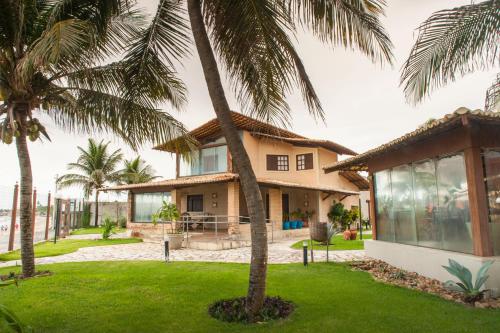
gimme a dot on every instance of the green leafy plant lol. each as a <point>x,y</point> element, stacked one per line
<point>308,214</point>
<point>167,212</point>
<point>11,322</point>
<point>107,228</point>
<point>122,222</point>
<point>336,212</point>
<point>471,292</point>
<point>297,214</point>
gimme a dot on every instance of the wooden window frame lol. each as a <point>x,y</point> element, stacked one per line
<point>306,164</point>
<point>277,162</point>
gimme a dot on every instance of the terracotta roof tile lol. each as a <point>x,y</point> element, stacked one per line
<point>358,162</point>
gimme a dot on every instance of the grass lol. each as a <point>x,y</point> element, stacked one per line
<point>337,243</point>
<point>64,246</point>
<point>94,230</point>
<point>158,297</point>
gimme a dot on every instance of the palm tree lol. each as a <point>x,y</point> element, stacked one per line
<point>253,41</point>
<point>137,171</point>
<point>52,61</point>
<point>97,168</point>
<point>450,43</point>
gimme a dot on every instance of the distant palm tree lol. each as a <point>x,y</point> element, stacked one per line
<point>137,171</point>
<point>97,168</point>
<point>253,41</point>
<point>52,55</point>
<point>451,43</point>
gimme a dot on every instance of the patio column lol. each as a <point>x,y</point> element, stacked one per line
<point>130,208</point>
<point>478,204</point>
<point>275,207</point>
<point>233,207</point>
<point>372,215</point>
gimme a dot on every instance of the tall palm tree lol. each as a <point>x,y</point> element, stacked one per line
<point>137,171</point>
<point>97,168</point>
<point>52,61</point>
<point>252,39</point>
<point>451,43</point>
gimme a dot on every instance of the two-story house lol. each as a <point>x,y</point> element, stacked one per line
<point>206,189</point>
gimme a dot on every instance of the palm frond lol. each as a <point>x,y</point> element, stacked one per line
<point>97,112</point>
<point>148,63</point>
<point>353,24</point>
<point>451,43</point>
<point>252,40</point>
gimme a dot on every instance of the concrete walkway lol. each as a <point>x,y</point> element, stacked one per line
<point>279,253</point>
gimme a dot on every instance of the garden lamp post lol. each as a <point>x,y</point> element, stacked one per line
<point>304,245</point>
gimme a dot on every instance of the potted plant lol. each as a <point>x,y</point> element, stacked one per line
<point>168,212</point>
<point>307,216</point>
<point>353,216</point>
<point>286,221</point>
<point>296,218</point>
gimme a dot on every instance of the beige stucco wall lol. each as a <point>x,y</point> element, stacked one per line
<point>220,190</point>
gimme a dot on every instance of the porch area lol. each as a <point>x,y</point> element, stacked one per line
<point>214,215</point>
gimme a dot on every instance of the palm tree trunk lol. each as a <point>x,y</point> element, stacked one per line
<point>96,217</point>
<point>27,251</point>
<point>253,197</point>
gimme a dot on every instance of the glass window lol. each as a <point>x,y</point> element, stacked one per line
<point>426,204</point>
<point>453,198</point>
<point>147,204</point>
<point>282,162</point>
<point>492,173</point>
<point>402,205</point>
<point>195,203</point>
<point>301,162</point>
<point>204,161</point>
<point>383,199</point>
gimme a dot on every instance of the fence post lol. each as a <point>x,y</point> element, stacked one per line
<point>47,218</point>
<point>13,218</point>
<point>74,215</point>
<point>33,215</point>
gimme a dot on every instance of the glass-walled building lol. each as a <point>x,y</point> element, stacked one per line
<point>425,203</point>
<point>435,195</point>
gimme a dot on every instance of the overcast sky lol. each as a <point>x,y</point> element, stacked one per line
<point>364,105</point>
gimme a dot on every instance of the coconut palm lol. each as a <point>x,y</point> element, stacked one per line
<point>137,171</point>
<point>253,40</point>
<point>97,168</point>
<point>451,43</point>
<point>52,62</point>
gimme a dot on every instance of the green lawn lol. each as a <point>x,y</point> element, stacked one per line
<point>158,297</point>
<point>63,246</point>
<point>94,230</point>
<point>337,243</point>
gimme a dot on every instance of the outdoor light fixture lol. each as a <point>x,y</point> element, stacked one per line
<point>167,251</point>
<point>304,245</point>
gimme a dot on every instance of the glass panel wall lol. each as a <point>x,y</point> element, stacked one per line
<point>205,161</point>
<point>425,203</point>
<point>453,200</point>
<point>383,199</point>
<point>402,197</point>
<point>492,173</point>
<point>147,204</point>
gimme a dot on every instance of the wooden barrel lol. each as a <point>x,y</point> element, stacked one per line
<point>318,231</point>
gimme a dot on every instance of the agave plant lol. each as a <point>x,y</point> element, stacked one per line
<point>471,292</point>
